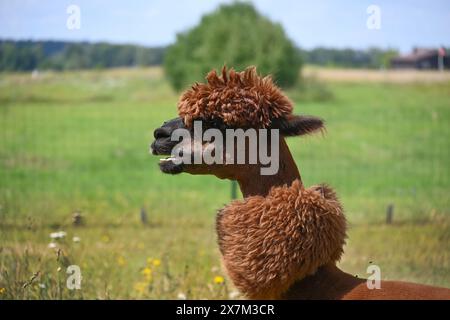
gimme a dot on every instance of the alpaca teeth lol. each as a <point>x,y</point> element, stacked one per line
<point>167,159</point>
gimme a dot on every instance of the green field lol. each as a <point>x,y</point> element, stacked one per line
<point>78,142</point>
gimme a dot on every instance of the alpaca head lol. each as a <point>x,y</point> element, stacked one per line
<point>233,100</point>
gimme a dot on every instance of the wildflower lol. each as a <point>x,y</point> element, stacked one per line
<point>42,285</point>
<point>181,296</point>
<point>214,269</point>
<point>156,262</point>
<point>149,261</point>
<point>219,279</point>
<point>52,245</point>
<point>105,238</point>
<point>121,261</point>
<point>234,294</point>
<point>76,239</point>
<point>58,235</point>
<point>140,287</point>
<point>147,272</point>
<point>2,290</point>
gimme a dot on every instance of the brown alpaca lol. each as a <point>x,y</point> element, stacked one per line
<point>282,241</point>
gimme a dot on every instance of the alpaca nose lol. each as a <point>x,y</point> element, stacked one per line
<point>163,143</point>
<point>168,127</point>
<point>161,132</point>
<point>162,146</point>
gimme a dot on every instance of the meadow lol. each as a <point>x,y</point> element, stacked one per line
<point>76,144</point>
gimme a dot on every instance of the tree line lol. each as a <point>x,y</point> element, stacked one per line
<point>372,58</point>
<point>60,55</point>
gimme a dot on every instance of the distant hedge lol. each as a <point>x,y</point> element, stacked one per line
<point>235,35</point>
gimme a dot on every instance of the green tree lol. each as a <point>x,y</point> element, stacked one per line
<point>235,35</point>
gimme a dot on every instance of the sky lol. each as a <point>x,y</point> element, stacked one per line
<point>403,23</point>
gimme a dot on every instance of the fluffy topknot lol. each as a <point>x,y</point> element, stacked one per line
<point>238,99</point>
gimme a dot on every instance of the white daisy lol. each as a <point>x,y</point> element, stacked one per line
<point>58,235</point>
<point>52,245</point>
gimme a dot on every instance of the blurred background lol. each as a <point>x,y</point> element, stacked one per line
<point>83,84</point>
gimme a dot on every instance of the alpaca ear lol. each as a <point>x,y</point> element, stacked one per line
<point>298,125</point>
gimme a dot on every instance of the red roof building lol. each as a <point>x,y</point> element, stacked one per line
<point>422,58</point>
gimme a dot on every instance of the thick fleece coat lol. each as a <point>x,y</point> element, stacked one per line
<point>268,243</point>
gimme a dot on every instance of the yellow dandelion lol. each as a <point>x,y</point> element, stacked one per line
<point>147,272</point>
<point>219,279</point>
<point>2,290</point>
<point>140,287</point>
<point>156,262</point>
<point>121,261</point>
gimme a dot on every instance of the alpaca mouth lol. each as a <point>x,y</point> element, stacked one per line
<point>167,165</point>
<point>163,145</point>
<point>166,159</point>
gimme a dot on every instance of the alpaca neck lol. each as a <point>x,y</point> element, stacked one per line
<point>252,183</point>
<point>329,282</point>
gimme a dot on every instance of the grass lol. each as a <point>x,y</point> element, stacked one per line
<point>78,142</point>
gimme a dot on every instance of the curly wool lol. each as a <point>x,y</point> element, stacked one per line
<point>238,99</point>
<point>268,243</point>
